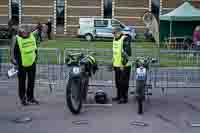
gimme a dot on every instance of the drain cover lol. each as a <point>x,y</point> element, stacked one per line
<point>24,119</point>
<point>97,105</point>
<point>195,124</point>
<point>81,122</point>
<point>136,123</point>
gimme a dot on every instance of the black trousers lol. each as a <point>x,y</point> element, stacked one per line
<point>26,92</point>
<point>40,35</point>
<point>122,82</point>
<point>49,35</point>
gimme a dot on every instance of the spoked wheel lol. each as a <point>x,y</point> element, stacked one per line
<point>85,89</point>
<point>73,96</point>
<point>140,92</point>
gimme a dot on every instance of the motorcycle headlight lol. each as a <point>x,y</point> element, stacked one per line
<point>76,70</point>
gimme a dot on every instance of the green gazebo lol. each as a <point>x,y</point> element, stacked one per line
<point>180,22</point>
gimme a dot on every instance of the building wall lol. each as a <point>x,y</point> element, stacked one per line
<point>4,12</point>
<point>34,11</point>
<point>127,11</point>
<point>169,5</point>
<point>196,3</point>
<point>76,9</point>
<point>131,11</point>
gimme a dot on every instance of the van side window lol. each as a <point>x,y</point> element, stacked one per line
<point>100,23</point>
<point>115,23</point>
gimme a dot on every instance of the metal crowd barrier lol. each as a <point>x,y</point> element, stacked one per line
<point>176,69</point>
<point>4,65</point>
<point>47,73</point>
<point>48,68</point>
<point>179,69</point>
<point>104,78</point>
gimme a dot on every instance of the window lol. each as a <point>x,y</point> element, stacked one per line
<point>101,23</point>
<point>15,11</point>
<point>116,23</point>
<point>155,8</point>
<point>60,9</point>
<point>107,8</point>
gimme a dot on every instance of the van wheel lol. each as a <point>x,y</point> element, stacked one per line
<point>88,37</point>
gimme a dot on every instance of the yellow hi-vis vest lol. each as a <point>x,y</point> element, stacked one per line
<point>117,52</point>
<point>92,60</point>
<point>27,48</point>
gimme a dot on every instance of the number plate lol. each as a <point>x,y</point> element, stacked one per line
<point>140,74</point>
<point>76,70</point>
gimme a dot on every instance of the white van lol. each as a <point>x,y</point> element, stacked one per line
<point>91,28</point>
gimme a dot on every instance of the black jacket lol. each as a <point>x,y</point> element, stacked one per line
<point>49,25</point>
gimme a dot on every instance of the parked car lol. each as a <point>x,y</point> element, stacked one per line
<point>4,33</point>
<point>92,28</point>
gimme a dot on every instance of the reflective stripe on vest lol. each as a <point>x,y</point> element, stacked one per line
<point>92,60</point>
<point>27,48</point>
<point>117,52</point>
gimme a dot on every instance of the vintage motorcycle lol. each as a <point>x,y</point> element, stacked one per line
<point>81,68</point>
<point>142,66</point>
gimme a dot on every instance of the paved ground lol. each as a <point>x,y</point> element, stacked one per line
<point>171,112</point>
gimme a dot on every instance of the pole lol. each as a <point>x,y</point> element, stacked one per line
<point>170,36</point>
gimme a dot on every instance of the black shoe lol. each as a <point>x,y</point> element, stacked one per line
<point>121,101</point>
<point>125,101</point>
<point>33,101</point>
<point>115,99</point>
<point>140,112</point>
<point>24,103</point>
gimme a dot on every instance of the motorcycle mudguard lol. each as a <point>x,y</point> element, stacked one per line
<point>140,89</point>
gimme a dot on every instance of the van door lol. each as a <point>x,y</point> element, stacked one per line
<point>102,28</point>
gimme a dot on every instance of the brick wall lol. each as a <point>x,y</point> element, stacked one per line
<point>172,3</point>
<point>4,12</point>
<point>130,11</point>
<point>78,8</point>
<point>196,4</point>
<point>132,3</point>
<point>84,2</point>
<point>36,11</point>
<point>38,2</point>
<point>169,5</point>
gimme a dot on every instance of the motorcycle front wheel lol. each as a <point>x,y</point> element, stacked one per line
<point>140,106</point>
<point>140,95</point>
<point>85,89</point>
<point>73,96</point>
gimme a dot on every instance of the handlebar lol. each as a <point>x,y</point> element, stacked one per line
<point>77,57</point>
<point>80,54</point>
<point>74,54</point>
<point>147,58</point>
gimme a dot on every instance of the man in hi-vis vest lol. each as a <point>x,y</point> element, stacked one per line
<point>121,64</point>
<point>24,54</point>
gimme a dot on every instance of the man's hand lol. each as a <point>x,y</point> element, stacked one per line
<point>121,68</point>
<point>14,62</point>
